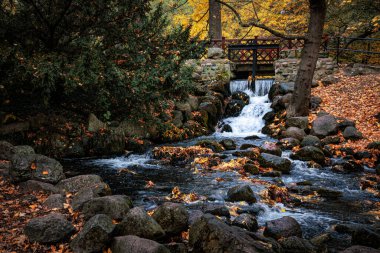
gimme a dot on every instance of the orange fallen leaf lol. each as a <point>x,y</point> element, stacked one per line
<point>45,172</point>
<point>33,166</point>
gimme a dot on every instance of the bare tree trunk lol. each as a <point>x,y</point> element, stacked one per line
<point>299,105</point>
<point>215,20</point>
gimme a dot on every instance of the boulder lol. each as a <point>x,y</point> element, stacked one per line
<point>86,194</point>
<point>309,153</point>
<point>226,128</point>
<point>228,144</point>
<point>252,137</point>
<point>172,217</point>
<point>294,132</point>
<point>217,209</point>
<point>36,167</point>
<point>295,244</point>
<point>289,143</point>
<point>183,106</point>
<point>246,146</point>
<point>315,102</point>
<point>94,124</point>
<point>283,228</point>
<point>5,150</point>
<point>300,122</point>
<point>37,186</point>
<point>251,168</point>
<point>175,247</point>
<point>239,95</point>
<point>241,193</point>
<point>343,123</point>
<point>213,145</point>
<point>131,244</point>
<point>329,193</point>
<point>54,201</point>
<point>311,140</point>
<point>246,221</point>
<point>138,222</point>
<point>330,140</point>
<point>351,133</point>
<point>115,206</point>
<point>215,53</point>
<point>324,126</point>
<point>234,108</point>
<point>51,228</point>
<point>75,184</point>
<point>269,116</point>
<point>211,235</point>
<point>94,236</point>
<point>275,162</point>
<point>271,148</point>
<point>195,215</point>
<point>366,237</point>
<point>360,249</point>
<point>286,88</point>
<point>331,242</point>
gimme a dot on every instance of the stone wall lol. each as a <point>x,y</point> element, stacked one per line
<point>286,69</point>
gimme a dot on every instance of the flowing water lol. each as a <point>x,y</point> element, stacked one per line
<point>314,216</point>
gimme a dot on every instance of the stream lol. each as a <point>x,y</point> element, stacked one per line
<point>315,216</point>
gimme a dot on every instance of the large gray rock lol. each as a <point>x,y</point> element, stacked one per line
<point>309,153</point>
<point>241,193</point>
<point>366,237</point>
<point>246,221</point>
<point>7,150</point>
<point>138,222</point>
<point>351,133</point>
<point>37,186</point>
<point>115,206</point>
<point>134,244</point>
<point>311,140</point>
<point>36,167</point>
<point>289,143</point>
<point>283,228</point>
<point>211,235</point>
<point>239,95</point>
<point>172,217</point>
<point>228,144</point>
<point>324,126</point>
<point>215,53</point>
<point>75,184</point>
<point>300,122</point>
<point>51,228</point>
<point>234,108</point>
<point>54,201</point>
<point>275,162</point>
<point>360,249</point>
<point>295,244</point>
<point>294,132</point>
<point>86,194</point>
<point>94,236</point>
<point>271,148</point>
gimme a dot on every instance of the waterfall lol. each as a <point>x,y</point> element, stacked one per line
<point>250,121</point>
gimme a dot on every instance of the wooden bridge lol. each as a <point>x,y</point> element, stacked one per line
<point>255,55</point>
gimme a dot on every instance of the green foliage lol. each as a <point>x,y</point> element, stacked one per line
<point>92,56</point>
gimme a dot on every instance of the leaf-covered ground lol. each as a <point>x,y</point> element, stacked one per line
<point>356,98</point>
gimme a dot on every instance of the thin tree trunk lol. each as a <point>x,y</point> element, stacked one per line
<point>215,20</point>
<point>299,105</point>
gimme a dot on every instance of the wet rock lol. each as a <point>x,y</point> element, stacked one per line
<point>283,228</point>
<point>329,193</point>
<point>274,91</point>
<point>362,154</point>
<point>246,221</point>
<point>271,148</point>
<point>295,244</point>
<point>269,116</point>
<point>315,102</point>
<point>51,228</point>
<point>271,174</point>
<point>314,165</point>
<point>239,95</point>
<point>278,104</point>
<point>209,107</point>
<point>228,144</point>
<point>234,108</point>
<point>366,237</point>
<point>54,201</point>
<point>94,236</point>
<point>241,193</point>
<point>300,122</point>
<point>86,194</point>
<point>374,145</point>
<point>37,186</point>
<point>351,133</point>
<point>226,128</point>
<point>130,243</point>
<point>294,132</point>
<point>328,151</point>
<point>343,123</point>
<point>360,249</point>
<point>172,217</point>
<point>75,184</point>
<point>138,222</point>
<point>35,167</point>
<point>252,137</point>
<point>213,145</point>
<point>194,215</point>
<point>275,162</point>
<point>330,140</point>
<point>253,209</point>
<point>324,126</point>
<point>251,168</point>
<point>347,166</point>
<point>217,209</point>
<point>176,247</point>
<point>247,146</point>
<point>311,140</point>
<point>289,143</point>
<point>115,206</point>
<point>309,153</point>
<point>331,242</point>
<point>211,235</point>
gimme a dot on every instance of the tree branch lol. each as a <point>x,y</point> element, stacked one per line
<point>259,25</point>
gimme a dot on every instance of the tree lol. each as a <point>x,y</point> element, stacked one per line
<point>215,20</point>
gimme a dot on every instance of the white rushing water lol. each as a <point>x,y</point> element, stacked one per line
<point>250,121</point>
